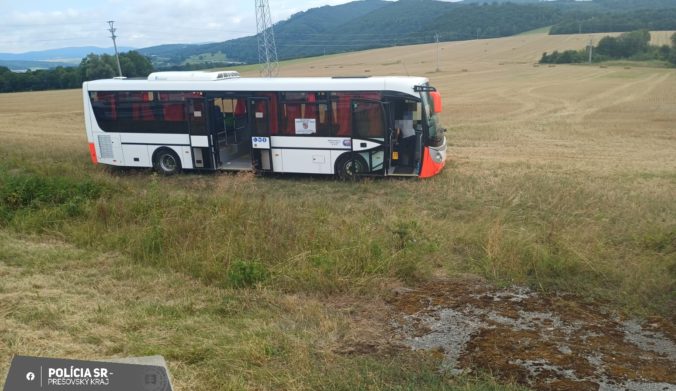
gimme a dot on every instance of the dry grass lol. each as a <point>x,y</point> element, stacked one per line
<point>60,301</point>
<point>561,178</point>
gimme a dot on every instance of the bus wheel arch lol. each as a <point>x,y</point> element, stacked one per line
<point>350,165</point>
<point>166,161</point>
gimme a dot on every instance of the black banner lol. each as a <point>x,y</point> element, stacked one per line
<point>54,374</point>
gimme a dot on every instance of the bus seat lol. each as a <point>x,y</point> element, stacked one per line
<point>173,112</point>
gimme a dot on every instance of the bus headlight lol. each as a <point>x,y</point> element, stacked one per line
<point>437,156</point>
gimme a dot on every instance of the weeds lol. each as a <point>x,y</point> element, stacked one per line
<point>33,191</point>
<point>552,233</point>
<point>246,274</point>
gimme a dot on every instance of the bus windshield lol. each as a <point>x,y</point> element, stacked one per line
<point>435,136</point>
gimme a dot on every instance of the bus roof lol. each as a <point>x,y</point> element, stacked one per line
<point>402,84</point>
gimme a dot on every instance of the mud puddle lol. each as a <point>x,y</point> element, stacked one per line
<point>544,342</point>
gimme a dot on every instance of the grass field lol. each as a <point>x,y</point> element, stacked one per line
<point>559,178</point>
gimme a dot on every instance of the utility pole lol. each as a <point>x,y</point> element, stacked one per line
<point>267,49</point>
<point>113,36</point>
<point>591,48</point>
<point>436,37</point>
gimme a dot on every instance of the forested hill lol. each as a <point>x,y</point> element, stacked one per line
<point>369,24</point>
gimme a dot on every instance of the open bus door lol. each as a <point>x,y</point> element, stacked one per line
<point>259,122</point>
<point>201,142</point>
<point>406,138</point>
<point>369,136</point>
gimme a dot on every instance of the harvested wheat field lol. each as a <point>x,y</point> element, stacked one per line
<point>542,257</point>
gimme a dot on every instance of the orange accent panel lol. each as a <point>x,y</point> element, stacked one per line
<point>92,153</point>
<point>436,99</point>
<point>430,168</point>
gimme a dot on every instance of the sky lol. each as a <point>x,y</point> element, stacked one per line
<point>30,25</point>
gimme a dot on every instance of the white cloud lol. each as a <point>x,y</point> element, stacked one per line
<point>42,24</point>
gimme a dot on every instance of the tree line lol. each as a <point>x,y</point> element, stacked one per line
<point>634,45</point>
<point>577,22</point>
<point>92,67</point>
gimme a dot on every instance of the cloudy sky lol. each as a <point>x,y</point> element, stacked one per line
<point>29,25</point>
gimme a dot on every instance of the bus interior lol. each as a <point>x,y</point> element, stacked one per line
<point>231,132</point>
<point>234,119</point>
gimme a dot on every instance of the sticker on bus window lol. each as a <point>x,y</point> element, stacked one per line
<point>259,114</point>
<point>306,126</point>
<point>197,114</point>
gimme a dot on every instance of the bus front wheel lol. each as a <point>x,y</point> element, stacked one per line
<point>350,166</point>
<point>166,162</point>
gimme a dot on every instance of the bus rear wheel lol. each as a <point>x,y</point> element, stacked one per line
<point>350,166</point>
<point>166,162</point>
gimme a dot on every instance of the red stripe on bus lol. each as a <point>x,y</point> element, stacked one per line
<point>430,168</point>
<point>92,153</point>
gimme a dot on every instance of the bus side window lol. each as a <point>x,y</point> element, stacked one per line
<point>323,125</point>
<point>290,112</point>
<point>305,113</point>
<point>273,112</point>
<point>341,115</point>
<point>104,105</point>
<point>368,120</point>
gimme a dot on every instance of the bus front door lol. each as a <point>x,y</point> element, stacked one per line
<point>405,138</point>
<point>259,126</point>
<point>200,141</point>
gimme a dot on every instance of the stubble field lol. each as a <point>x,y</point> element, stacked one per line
<point>561,180</point>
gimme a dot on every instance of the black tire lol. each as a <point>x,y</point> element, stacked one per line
<point>166,162</point>
<point>349,166</point>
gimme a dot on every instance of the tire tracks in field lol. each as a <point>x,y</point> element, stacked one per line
<point>532,101</point>
<point>615,96</point>
<point>539,106</point>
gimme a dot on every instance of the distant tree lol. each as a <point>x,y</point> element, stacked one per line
<point>608,46</point>
<point>634,45</point>
<point>91,67</point>
<point>672,57</point>
<point>104,66</point>
<point>6,76</point>
<point>626,45</point>
<point>598,22</point>
<point>635,42</point>
<point>566,57</point>
<point>142,66</point>
<point>664,52</point>
<point>95,67</point>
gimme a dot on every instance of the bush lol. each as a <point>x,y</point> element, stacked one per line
<point>246,273</point>
<point>567,57</point>
<point>32,191</point>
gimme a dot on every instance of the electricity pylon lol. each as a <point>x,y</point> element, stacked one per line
<point>267,49</point>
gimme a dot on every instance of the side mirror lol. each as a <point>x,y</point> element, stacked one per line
<point>436,101</point>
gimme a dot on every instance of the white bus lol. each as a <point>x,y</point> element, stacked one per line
<point>349,126</point>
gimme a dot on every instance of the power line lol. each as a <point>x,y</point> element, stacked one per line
<point>113,36</point>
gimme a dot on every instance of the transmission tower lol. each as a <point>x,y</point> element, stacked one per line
<point>267,49</point>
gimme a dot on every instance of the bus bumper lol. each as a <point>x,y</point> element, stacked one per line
<point>434,159</point>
